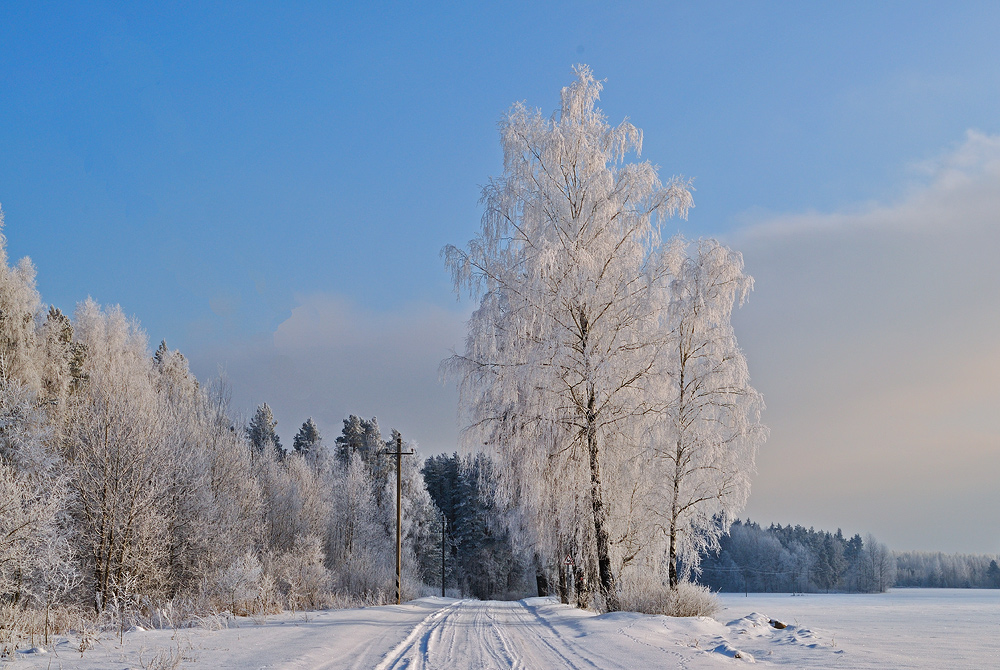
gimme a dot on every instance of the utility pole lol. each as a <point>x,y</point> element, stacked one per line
<point>399,453</point>
<point>443,520</point>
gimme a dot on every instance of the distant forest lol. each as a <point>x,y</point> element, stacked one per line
<point>795,559</point>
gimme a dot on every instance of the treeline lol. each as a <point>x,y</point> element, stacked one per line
<point>937,570</point>
<point>480,555</point>
<point>795,559</point>
<point>128,489</point>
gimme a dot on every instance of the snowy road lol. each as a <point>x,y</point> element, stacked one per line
<point>491,634</point>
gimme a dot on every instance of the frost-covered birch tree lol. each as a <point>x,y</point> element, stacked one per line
<point>119,459</point>
<point>19,305</point>
<point>705,435</point>
<point>560,351</point>
<point>876,567</point>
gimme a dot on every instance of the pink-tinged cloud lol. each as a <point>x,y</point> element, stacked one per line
<point>875,338</point>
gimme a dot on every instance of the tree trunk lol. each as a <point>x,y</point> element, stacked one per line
<point>674,514</point>
<point>542,582</point>
<point>563,591</point>
<point>608,590</point>
<point>678,470</point>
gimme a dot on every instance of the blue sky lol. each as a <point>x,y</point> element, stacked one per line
<point>268,187</point>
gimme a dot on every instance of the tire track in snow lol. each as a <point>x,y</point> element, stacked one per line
<point>505,656</point>
<point>482,635</point>
<point>488,635</point>
<point>418,640</point>
<point>568,648</point>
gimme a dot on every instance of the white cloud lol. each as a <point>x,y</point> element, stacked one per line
<point>875,338</point>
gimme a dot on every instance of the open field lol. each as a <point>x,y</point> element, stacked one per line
<point>905,628</point>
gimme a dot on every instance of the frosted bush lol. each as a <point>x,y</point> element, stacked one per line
<point>302,575</point>
<point>239,585</point>
<point>684,600</point>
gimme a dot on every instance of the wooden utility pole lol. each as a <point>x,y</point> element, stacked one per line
<point>443,520</point>
<point>399,453</point>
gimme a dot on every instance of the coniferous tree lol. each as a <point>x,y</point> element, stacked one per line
<point>481,559</point>
<point>364,438</point>
<point>261,432</point>
<point>351,440</point>
<point>160,353</point>
<point>307,439</point>
<point>56,337</point>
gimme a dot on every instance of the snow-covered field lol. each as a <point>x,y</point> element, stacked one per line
<point>907,628</point>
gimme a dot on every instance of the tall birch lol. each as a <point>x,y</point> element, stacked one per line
<point>560,350</point>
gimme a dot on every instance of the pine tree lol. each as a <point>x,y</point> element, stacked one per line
<point>261,432</point>
<point>364,438</point>
<point>481,557</point>
<point>307,439</point>
<point>57,341</point>
<point>351,440</point>
<point>160,353</point>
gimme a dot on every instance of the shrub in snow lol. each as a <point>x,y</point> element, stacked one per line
<point>239,585</point>
<point>301,575</point>
<point>684,600</point>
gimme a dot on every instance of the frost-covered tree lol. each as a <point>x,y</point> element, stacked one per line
<point>420,521</point>
<point>192,504</point>
<point>119,460</point>
<point>308,438</point>
<point>706,433</point>
<point>261,433</point>
<point>876,567</point>
<point>359,548</point>
<point>19,305</point>
<point>352,439</point>
<point>35,560</point>
<point>302,574</point>
<point>566,336</point>
<point>364,438</point>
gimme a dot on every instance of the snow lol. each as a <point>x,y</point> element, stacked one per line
<point>903,629</point>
